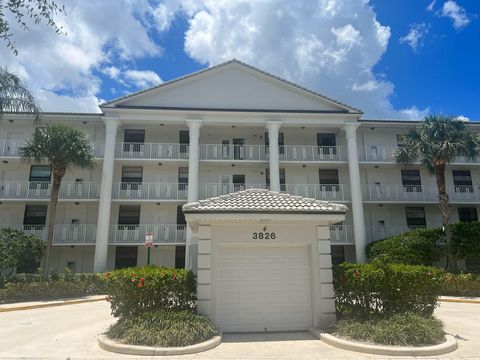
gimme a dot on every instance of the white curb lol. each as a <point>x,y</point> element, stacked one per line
<point>448,346</point>
<point>110,345</point>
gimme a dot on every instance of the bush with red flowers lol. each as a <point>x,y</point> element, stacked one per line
<point>382,289</point>
<point>133,291</point>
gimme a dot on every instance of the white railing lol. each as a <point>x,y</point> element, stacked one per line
<point>11,148</point>
<point>98,149</point>
<point>341,234</point>
<point>135,234</point>
<point>149,191</point>
<point>62,234</point>
<point>382,153</point>
<point>214,189</point>
<point>381,192</point>
<point>331,192</point>
<point>233,152</point>
<point>159,151</point>
<point>312,153</point>
<point>463,193</point>
<point>41,190</point>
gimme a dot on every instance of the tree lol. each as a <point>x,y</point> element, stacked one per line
<point>64,148</point>
<point>35,10</point>
<point>436,142</point>
<point>15,95</point>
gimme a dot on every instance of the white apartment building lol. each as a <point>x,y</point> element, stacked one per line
<point>220,130</point>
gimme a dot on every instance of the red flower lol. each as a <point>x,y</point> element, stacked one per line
<point>142,279</point>
<point>140,285</point>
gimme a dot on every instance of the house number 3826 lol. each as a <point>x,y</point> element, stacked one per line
<point>264,235</point>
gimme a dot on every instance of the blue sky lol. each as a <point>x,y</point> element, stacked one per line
<point>394,59</point>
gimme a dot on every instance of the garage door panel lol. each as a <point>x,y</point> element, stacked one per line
<point>263,287</point>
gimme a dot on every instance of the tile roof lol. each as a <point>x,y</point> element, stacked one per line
<point>263,201</point>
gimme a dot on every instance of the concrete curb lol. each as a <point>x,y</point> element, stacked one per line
<point>448,346</point>
<point>460,300</point>
<point>24,306</point>
<point>110,345</point>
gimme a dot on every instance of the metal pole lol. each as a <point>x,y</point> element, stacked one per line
<point>148,255</point>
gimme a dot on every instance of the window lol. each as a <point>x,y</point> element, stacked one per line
<point>338,255</point>
<point>328,179</point>
<point>40,176</point>
<point>411,180</point>
<point>132,177</point>
<point>35,215</point>
<point>75,221</point>
<point>462,180</point>
<point>281,143</point>
<point>400,140</point>
<point>415,217</point>
<point>179,257</point>
<point>129,215</point>
<point>71,266</point>
<point>181,217</point>
<point>326,143</point>
<point>467,214</point>
<point>134,136</point>
<point>184,140</point>
<point>238,182</point>
<point>183,175</point>
<point>283,187</point>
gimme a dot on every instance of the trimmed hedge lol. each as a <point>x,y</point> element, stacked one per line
<point>415,247</point>
<point>461,285</point>
<point>380,289</point>
<point>25,287</point>
<point>133,291</point>
<point>163,328</point>
<point>20,251</point>
<point>401,330</point>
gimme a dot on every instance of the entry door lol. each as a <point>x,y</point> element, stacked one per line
<point>263,288</point>
<point>238,182</point>
<point>125,256</point>
<point>238,149</point>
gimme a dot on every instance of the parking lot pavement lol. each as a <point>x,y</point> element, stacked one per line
<point>69,332</point>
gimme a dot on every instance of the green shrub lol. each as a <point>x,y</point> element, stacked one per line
<point>383,289</point>
<point>401,329</point>
<point>416,247</point>
<point>461,285</point>
<point>163,328</point>
<point>19,250</point>
<point>24,287</point>
<point>466,239</point>
<point>132,291</point>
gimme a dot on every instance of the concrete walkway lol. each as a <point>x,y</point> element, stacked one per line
<point>69,332</point>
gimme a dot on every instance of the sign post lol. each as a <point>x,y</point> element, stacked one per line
<point>148,244</point>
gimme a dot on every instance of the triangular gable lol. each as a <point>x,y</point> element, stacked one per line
<point>231,85</point>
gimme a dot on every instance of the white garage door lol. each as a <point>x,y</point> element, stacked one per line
<point>263,288</point>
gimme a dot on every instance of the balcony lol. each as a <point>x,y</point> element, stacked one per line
<point>233,152</point>
<point>135,234</point>
<point>149,191</point>
<point>63,234</point>
<point>381,153</point>
<point>18,190</point>
<point>312,153</point>
<point>341,235</point>
<point>156,151</point>
<point>10,148</point>
<point>214,189</point>
<point>332,192</point>
<point>400,193</point>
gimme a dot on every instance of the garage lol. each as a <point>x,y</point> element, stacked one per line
<point>278,300</point>
<point>263,260</point>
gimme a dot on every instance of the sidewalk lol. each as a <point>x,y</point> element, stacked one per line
<point>49,303</point>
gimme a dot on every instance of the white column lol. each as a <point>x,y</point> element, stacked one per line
<point>192,195</point>
<point>273,153</point>
<point>356,192</point>
<point>103,223</point>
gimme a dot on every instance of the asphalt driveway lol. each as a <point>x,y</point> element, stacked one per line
<point>69,332</point>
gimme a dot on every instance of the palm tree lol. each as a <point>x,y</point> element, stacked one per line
<point>64,148</point>
<point>436,142</point>
<point>15,95</point>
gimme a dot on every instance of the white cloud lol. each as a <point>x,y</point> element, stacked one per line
<point>414,113</point>
<point>431,6</point>
<point>99,34</point>
<point>111,71</point>
<point>415,36</point>
<point>143,79</point>
<point>455,12</point>
<point>64,103</point>
<point>463,118</point>
<point>330,46</point>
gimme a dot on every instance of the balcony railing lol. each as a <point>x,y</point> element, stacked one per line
<point>63,234</point>
<point>211,190</point>
<point>135,234</point>
<point>10,148</point>
<point>41,190</point>
<point>149,191</point>
<point>233,152</point>
<point>158,151</point>
<point>333,192</point>
<point>312,153</point>
<point>341,234</point>
<point>401,193</point>
<point>377,232</point>
<point>463,193</point>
